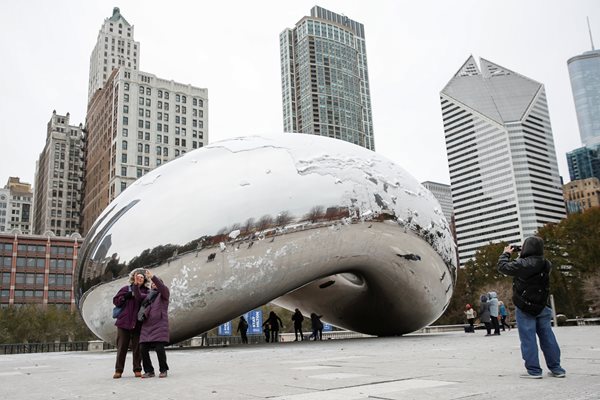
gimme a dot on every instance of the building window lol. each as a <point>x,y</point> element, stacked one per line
<point>123,158</point>
<point>123,186</point>
<point>123,171</point>
<point>140,159</point>
<point>124,145</point>
<point>125,121</point>
<point>125,132</point>
<point>125,109</point>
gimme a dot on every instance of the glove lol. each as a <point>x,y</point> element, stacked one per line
<point>128,295</point>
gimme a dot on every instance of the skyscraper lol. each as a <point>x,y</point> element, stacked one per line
<point>584,162</point>
<point>136,123</point>
<point>325,80</point>
<point>114,48</point>
<point>443,194</point>
<point>58,178</point>
<point>584,71</point>
<point>501,156</point>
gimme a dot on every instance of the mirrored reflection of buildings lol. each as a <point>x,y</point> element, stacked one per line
<point>58,178</point>
<point>501,155</point>
<point>135,121</point>
<point>37,269</point>
<point>325,80</point>
<point>582,194</point>
<point>16,206</point>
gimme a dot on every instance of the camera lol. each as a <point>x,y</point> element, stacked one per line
<point>515,247</point>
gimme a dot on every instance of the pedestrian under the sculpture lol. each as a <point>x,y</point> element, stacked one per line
<point>317,326</point>
<point>128,327</point>
<point>266,331</point>
<point>154,334</point>
<point>243,329</point>
<point>274,323</point>
<point>531,292</point>
<point>493,301</point>
<point>298,318</point>
<point>503,315</point>
<point>484,314</point>
<point>470,314</point>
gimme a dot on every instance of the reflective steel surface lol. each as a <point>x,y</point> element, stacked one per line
<point>304,221</point>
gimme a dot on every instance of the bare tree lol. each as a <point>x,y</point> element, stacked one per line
<point>592,294</point>
<point>315,213</point>
<point>264,222</point>
<point>283,218</point>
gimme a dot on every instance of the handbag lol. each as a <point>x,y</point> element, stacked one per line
<point>118,310</point>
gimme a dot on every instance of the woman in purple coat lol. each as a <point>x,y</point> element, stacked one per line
<point>155,327</point>
<point>128,327</point>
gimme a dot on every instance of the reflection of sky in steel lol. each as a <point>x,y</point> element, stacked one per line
<point>228,182</point>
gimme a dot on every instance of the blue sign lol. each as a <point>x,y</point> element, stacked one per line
<point>327,327</point>
<point>255,321</point>
<point>225,329</point>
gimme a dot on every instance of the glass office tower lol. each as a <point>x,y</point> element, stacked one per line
<point>324,78</point>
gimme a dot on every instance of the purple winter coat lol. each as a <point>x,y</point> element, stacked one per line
<point>128,316</point>
<point>156,326</point>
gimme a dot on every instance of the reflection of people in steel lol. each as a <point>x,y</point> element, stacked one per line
<point>242,329</point>
<point>298,318</point>
<point>128,327</point>
<point>317,326</point>
<point>273,322</point>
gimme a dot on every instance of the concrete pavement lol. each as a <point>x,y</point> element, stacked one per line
<point>451,365</point>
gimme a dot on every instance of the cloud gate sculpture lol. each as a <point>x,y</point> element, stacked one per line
<point>299,220</point>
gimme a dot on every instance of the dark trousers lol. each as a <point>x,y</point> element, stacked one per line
<point>317,334</point>
<point>488,327</point>
<point>503,323</point>
<point>274,336</point>
<point>125,337</point>
<point>496,325</point>
<point>244,337</point>
<point>298,330</point>
<point>159,347</point>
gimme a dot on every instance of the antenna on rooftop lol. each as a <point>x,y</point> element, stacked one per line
<point>590,30</point>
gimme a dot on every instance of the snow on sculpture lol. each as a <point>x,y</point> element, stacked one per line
<point>300,220</point>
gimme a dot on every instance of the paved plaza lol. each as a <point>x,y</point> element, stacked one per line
<point>435,366</point>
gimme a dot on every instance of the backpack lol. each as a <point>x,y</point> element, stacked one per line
<point>118,310</point>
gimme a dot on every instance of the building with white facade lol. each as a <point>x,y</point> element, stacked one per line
<point>19,210</point>
<point>325,80</point>
<point>115,48</point>
<point>4,205</point>
<point>58,178</point>
<point>443,194</point>
<point>136,123</point>
<point>502,161</point>
<point>135,120</point>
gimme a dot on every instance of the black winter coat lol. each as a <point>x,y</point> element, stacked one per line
<point>531,276</point>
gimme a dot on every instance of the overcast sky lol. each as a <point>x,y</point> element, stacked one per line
<point>232,49</point>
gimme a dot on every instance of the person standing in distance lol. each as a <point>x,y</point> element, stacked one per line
<point>531,289</point>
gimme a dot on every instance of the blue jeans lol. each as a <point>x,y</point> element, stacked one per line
<point>528,327</point>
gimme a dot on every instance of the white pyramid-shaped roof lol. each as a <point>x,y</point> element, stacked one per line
<point>492,90</point>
